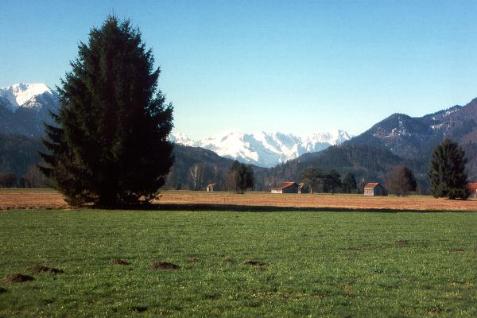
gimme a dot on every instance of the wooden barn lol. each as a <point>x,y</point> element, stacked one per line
<point>472,187</point>
<point>286,187</point>
<point>374,189</point>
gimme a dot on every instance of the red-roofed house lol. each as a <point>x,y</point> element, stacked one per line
<point>472,187</point>
<point>374,189</point>
<point>286,187</point>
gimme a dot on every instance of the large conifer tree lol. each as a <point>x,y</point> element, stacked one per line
<point>109,146</point>
<point>447,173</point>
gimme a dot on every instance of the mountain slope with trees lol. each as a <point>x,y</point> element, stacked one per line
<point>414,138</point>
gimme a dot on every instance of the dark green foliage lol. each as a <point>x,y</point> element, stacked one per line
<point>8,180</point>
<point>18,153</point>
<point>312,179</point>
<point>209,168</point>
<point>363,161</point>
<point>447,172</point>
<point>401,181</point>
<point>320,181</point>
<point>332,182</point>
<point>109,146</point>
<point>241,176</point>
<point>349,184</point>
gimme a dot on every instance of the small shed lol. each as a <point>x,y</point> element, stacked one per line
<point>472,187</point>
<point>210,187</point>
<point>374,189</point>
<point>286,187</point>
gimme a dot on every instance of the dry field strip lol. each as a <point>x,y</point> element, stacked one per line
<point>49,199</point>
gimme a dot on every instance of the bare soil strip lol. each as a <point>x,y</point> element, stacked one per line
<point>316,201</point>
<point>31,199</point>
<point>48,199</point>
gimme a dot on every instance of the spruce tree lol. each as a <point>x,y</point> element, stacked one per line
<point>447,172</point>
<point>109,145</point>
<point>242,176</point>
<point>332,181</point>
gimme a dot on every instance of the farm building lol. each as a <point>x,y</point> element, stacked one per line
<point>472,187</point>
<point>374,189</point>
<point>287,187</point>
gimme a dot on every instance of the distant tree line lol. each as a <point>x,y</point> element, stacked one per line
<point>316,180</point>
<point>33,178</point>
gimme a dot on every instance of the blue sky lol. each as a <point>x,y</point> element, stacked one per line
<point>291,66</point>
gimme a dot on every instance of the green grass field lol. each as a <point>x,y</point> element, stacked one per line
<point>309,264</point>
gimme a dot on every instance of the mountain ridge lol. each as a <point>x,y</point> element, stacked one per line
<point>25,107</point>
<point>265,149</point>
<point>397,139</point>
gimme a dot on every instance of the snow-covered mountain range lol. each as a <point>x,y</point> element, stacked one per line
<point>25,107</point>
<point>263,148</point>
<point>25,95</point>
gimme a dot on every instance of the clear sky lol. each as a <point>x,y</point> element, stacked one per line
<point>290,66</point>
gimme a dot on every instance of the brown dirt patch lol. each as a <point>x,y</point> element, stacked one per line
<point>192,259</point>
<point>228,259</point>
<point>139,308</point>
<point>353,249</point>
<point>315,201</point>
<point>402,243</point>
<point>31,199</point>
<point>254,262</point>
<point>456,250</point>
<point>37,269</point>
<point>164,266</point>
<point>120,261</point>
<point>50,199</point>
<point>17,278</point>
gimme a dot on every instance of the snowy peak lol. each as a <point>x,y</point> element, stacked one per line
<point>263,148</point>
<point>24,108</point>
<point>25,95</point>
<point>334,137</point>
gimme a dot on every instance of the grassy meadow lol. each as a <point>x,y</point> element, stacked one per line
<point>238,264</point>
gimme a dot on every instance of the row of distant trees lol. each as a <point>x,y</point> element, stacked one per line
<point>316,180</point>
<point>447,176</point>
<point>399,181</point>
<point>33,178</point>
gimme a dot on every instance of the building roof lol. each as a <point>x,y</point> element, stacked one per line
<point>472,186</point>
<point>285,185</point>
<point>371,185</point>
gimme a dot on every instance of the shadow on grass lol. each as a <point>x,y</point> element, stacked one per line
<point>261,208</point>
<point>219,207</point>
